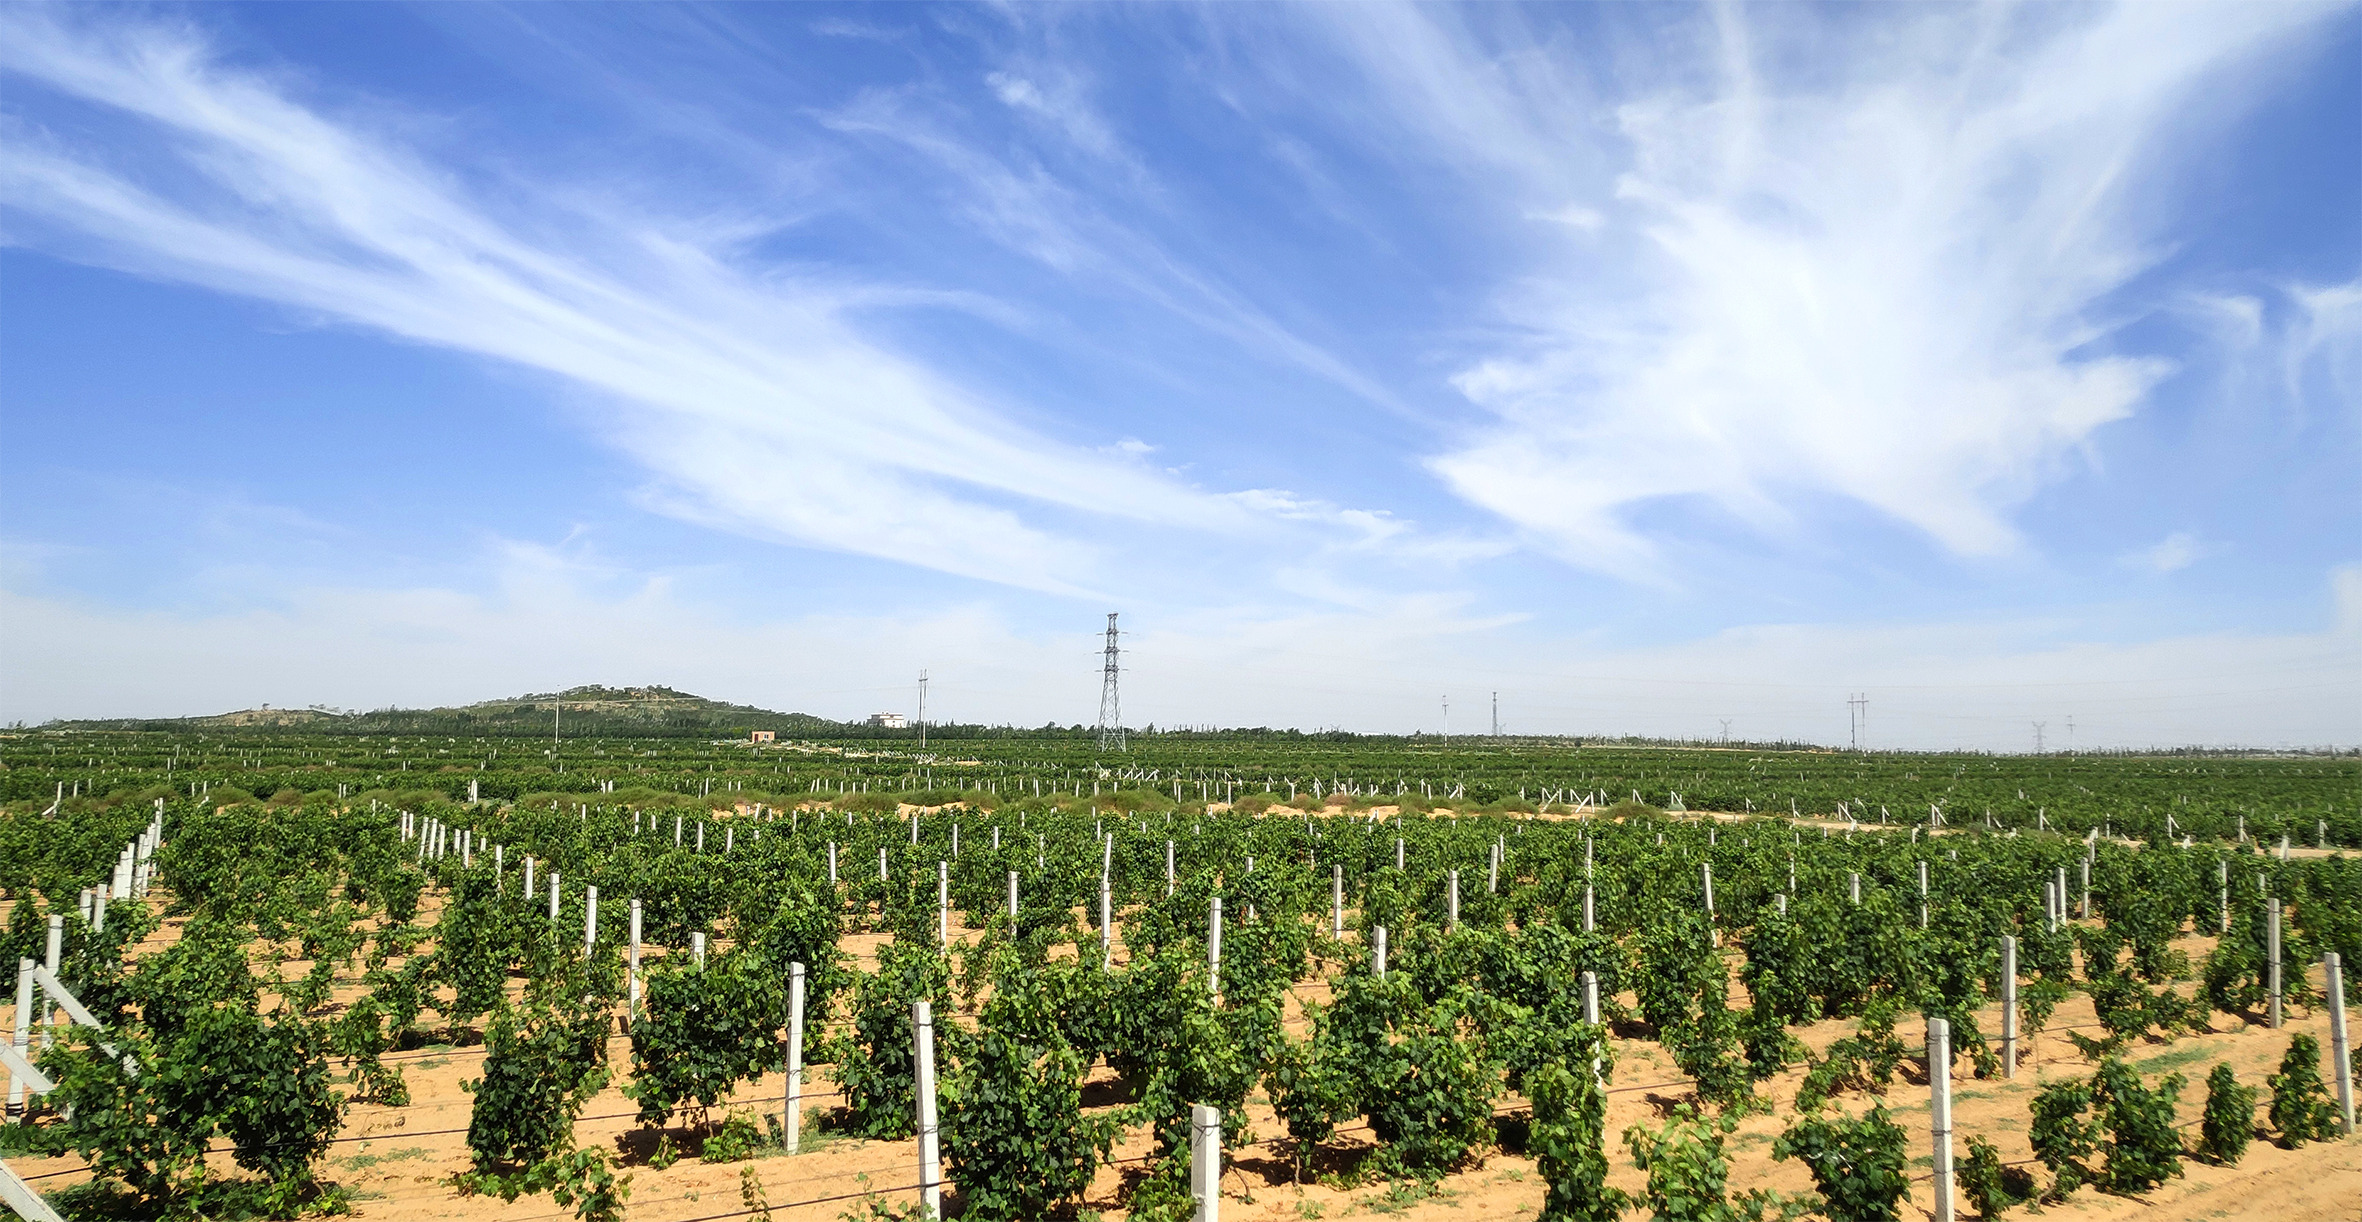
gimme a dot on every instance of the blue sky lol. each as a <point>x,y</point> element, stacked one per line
<point>1650,365</point>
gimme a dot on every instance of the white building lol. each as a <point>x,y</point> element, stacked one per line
<point>890,721</point>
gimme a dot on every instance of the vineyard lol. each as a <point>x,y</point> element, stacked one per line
<point>279,973</point>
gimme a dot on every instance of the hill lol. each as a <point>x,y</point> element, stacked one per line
<point>638,712</point>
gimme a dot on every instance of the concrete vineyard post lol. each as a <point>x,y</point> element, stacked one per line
<point>2083,912</point>
<point>832,863</point>
<point>922,1022</point>
<point>634,1004</point>
<point>1455,899</point>
<point>792,1124</point>
<point>1591,1018</point>
<point>1214,946</point>
<point>1398,852</point>
<point>943,902</point>
<point>881,863</point>
<point>1378,952</point>
<point>2222,876</point>
<point>1337,901</point>
<point>1923,895</point>
<point>1706,872</point>
<point>2272,959</point>
<point>1012,903</point>
<point>1590,913</point>
<point>527,893</point>
<point>697,948</point>
<point>2062,881</point>
<point>1492,871</point>
<point>553,896</point>
<point>590,919</point>
<point>1856,886</point>
<point>52,951</point>
<point>1106,925</point>
<point>1168,869</point>
<point>22,1040</point>
<point>2009,1006</point>
<point>2340,1059</point>
<point>1939,1106</point>
<point>1205,1161</point>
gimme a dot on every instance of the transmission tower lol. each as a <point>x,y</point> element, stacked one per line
<point>1726,731</point>
<point>1447,719</point>
<point>2038,736</point>
<point>1496,714</point>
<point>1111,717</point>
<point>1857,718</point>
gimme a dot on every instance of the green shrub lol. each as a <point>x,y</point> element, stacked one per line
<point>2229,1122</point>
<point>2061,1137</point>
<point>1568,1143</point>
<point>1857,1164</point>
<point>1990,1186</point>
<point>874,1060</point>
<point>2143,1148</point>
<point>1014,1132</point>
<point>2300,1109</point>
<point>541,1068</point>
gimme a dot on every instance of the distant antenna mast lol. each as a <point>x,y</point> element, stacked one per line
<point>1447,719</point>
<point>922,710</point>
<point>1496,714</point>
<point>1111,715</point>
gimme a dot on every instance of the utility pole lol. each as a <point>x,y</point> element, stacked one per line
<point>556,708</point>
<point>2038,736</point>
<point>1111,717</point>
<point>1447,719</point>
<point>922,710</point>
<point>1496,714</point>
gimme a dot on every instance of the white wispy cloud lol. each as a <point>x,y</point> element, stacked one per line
<point>2172,554</point>
<point>1889,280</point>
<point>1066,224</point>
<point>754,399</point>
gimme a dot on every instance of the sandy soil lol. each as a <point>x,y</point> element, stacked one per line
<point>397,1162</point>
